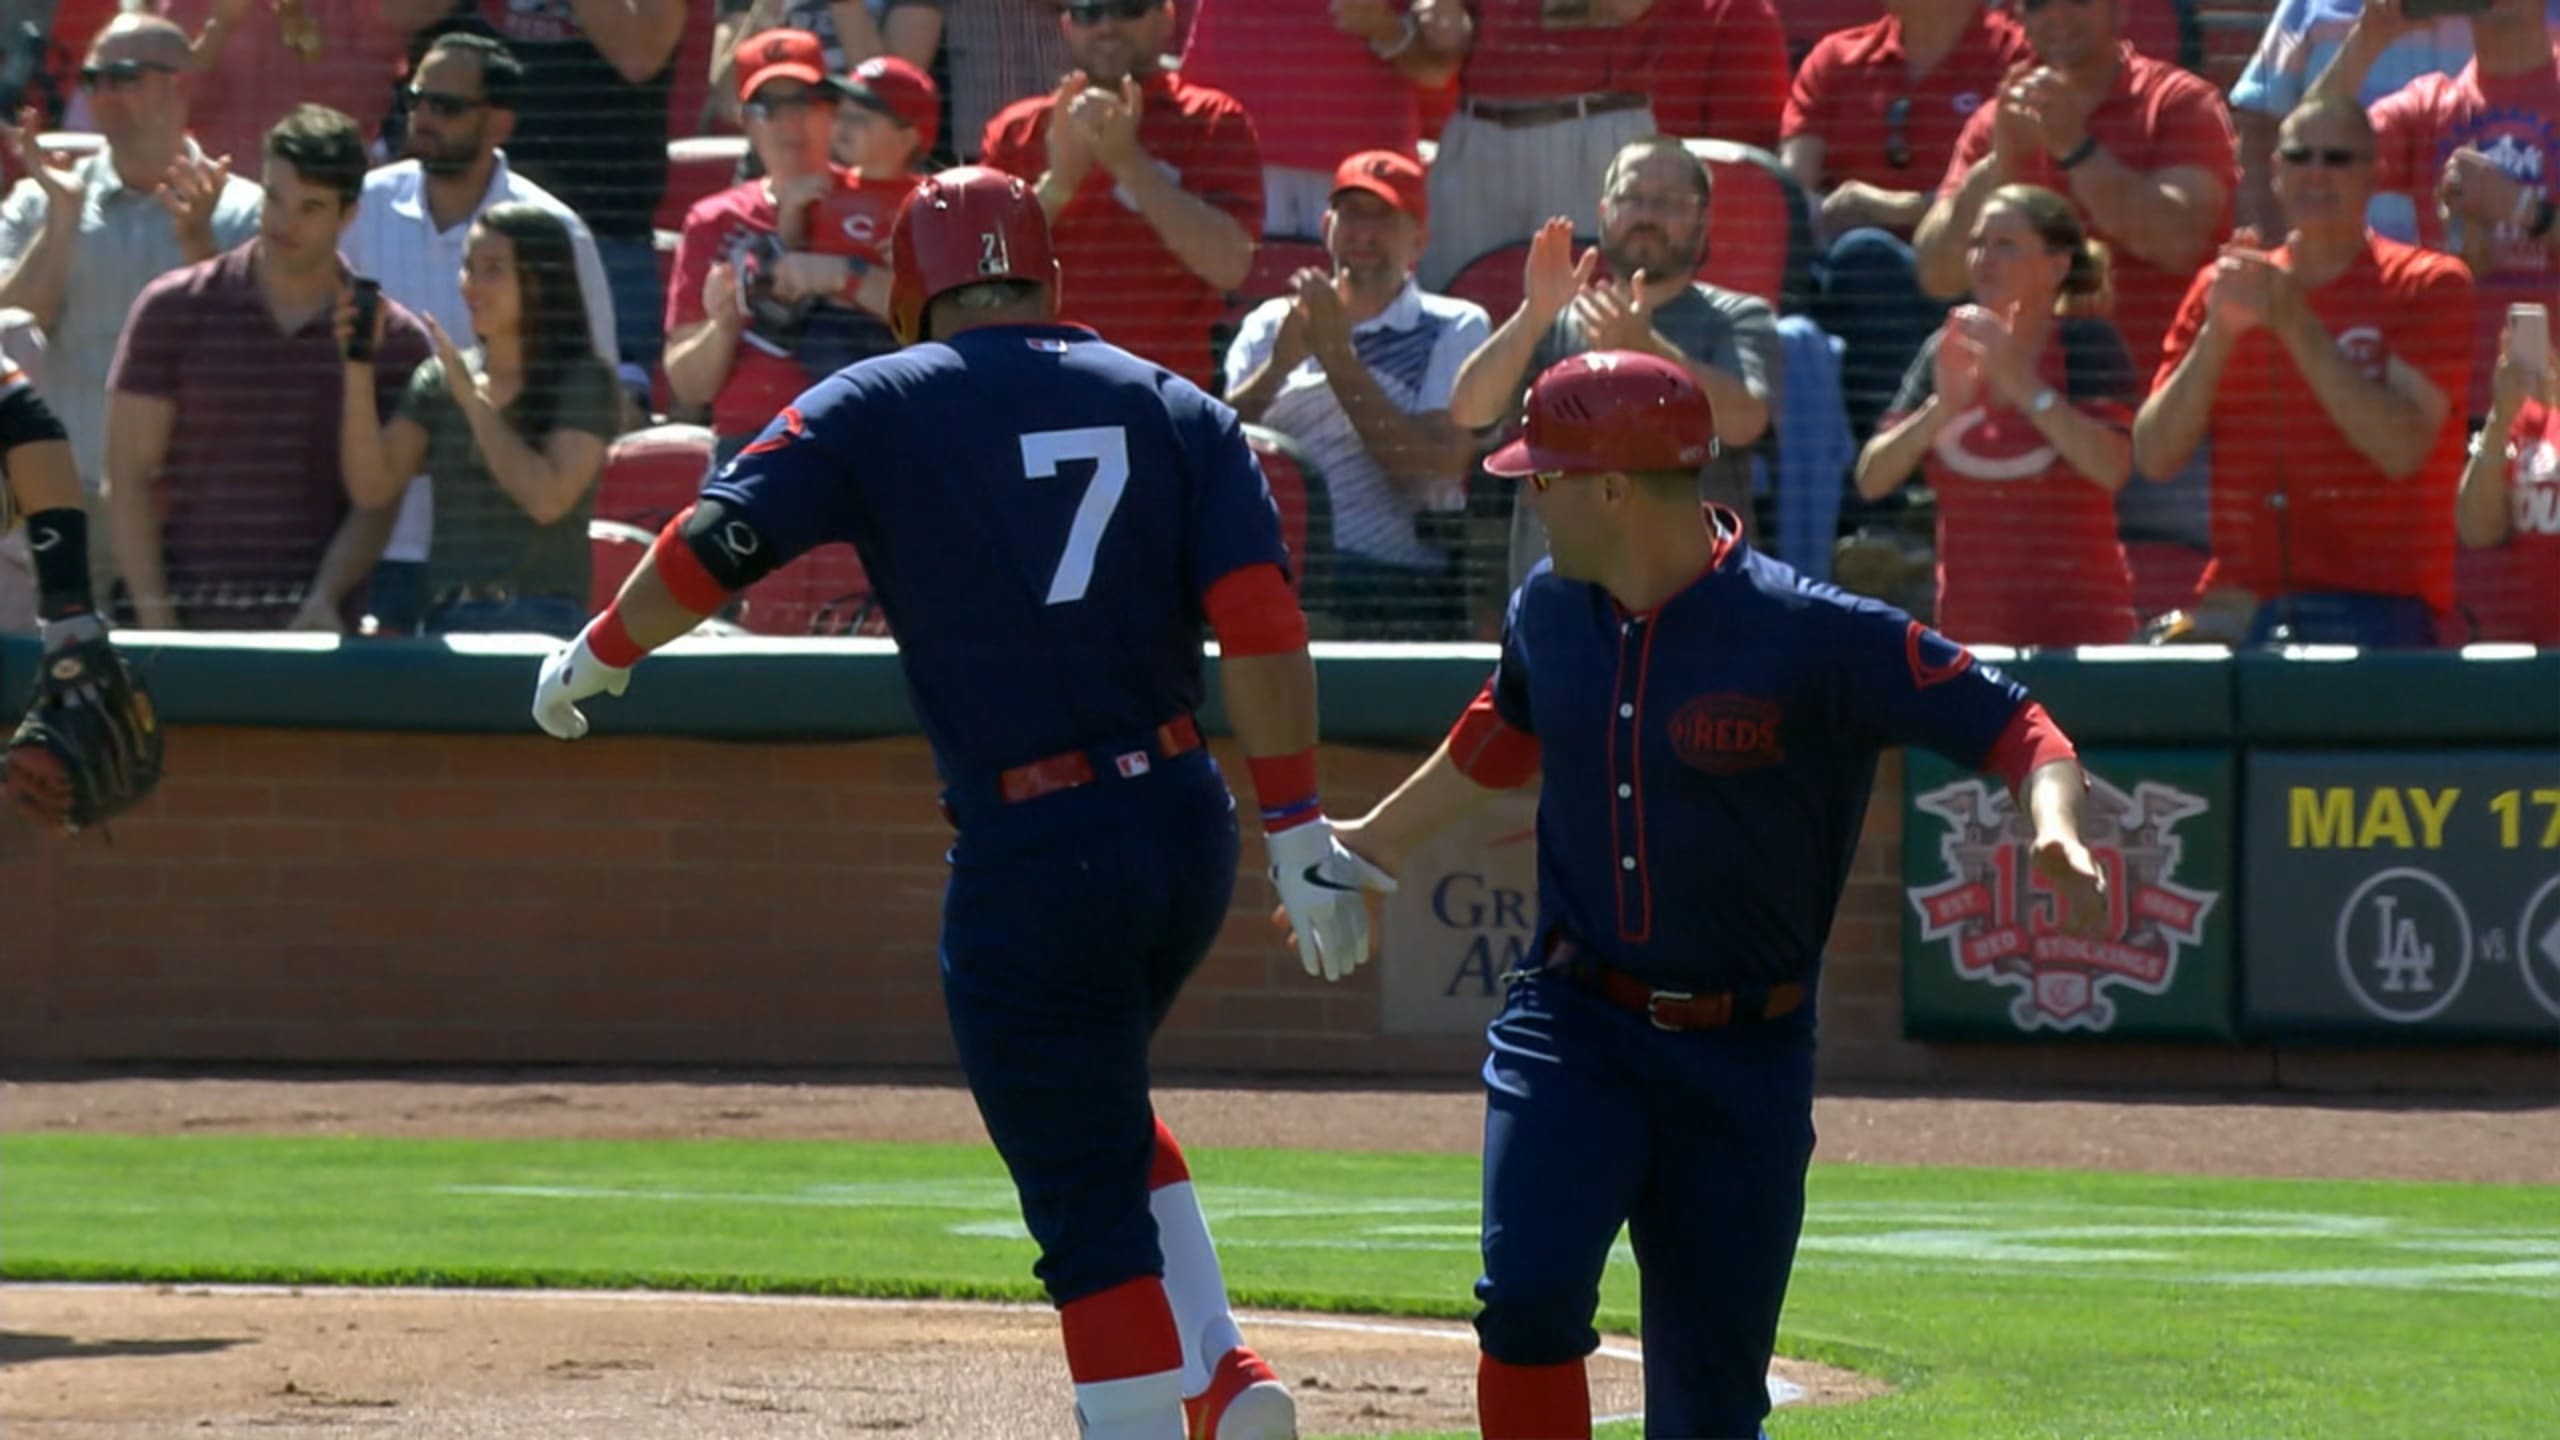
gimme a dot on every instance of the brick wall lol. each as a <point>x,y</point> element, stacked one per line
<point>321,897</point>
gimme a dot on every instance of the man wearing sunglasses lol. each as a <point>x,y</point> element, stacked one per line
<point>2328,373</point>
<point>1153,184</point>
<point>1870,125</point>
<point>2476,152</point>
<point>1708,726</point>
<point>77,245</point>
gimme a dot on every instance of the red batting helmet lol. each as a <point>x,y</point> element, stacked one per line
<point>961,227</point>
<point>1611,410</point>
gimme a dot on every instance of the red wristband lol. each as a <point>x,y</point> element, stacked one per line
<point>609,640</point>
<point>1286,786</point>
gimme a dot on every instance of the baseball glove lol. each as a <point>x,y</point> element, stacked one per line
<point>89,748</point>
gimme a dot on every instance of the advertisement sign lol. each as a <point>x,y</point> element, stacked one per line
<point>1983,954</point>
<point>2404,895</point>
<point>1462,915</point>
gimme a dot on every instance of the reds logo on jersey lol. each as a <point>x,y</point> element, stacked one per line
<point>2363,344</point>
<point>1728,733</point>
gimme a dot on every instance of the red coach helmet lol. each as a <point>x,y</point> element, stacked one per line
<point>1611,410</point>
<point>961,227</point>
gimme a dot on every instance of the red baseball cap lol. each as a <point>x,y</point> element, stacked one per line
<point>900,91</point>
<point>780,55</point>
<point>1611,410</point>
<point>1395,178</point>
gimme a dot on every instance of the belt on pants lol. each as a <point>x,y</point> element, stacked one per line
<point>1071,768</point>
<point>1551,112</point>
<point>1669,1009</point>
<point>493,593</point>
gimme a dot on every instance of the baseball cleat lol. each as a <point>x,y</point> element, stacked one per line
<point>1244,1401</point>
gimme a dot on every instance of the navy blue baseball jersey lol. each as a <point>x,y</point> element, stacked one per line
<point>1041,514</point>
<point>1708,763</point>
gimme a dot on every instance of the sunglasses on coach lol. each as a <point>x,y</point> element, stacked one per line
<point>1094,12</point>
<point>120,74</point>
<point>2326,157</point>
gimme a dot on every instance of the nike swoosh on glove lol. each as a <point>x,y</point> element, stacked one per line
<point>1320,885</point>
<point>573,673</point>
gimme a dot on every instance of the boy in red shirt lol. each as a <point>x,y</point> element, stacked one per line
<point>2329,374</point>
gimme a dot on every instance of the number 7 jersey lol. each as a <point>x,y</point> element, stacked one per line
<point>1041,514</point>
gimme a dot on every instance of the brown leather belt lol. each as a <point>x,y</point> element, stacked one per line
<point>1670,1009</point>
<point>1551,112</point>
<point>1071,768</point>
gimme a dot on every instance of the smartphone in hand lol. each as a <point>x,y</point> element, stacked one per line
<point>368,301</point>
<point>2529,337</point>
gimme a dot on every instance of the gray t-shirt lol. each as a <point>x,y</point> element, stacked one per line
<point>1733,332</point>
<point>483,537</point>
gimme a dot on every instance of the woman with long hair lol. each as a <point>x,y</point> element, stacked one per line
<point>2019,412</point>
<point>513,435</point>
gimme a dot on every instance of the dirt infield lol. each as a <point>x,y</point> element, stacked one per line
<point>123,1363</point>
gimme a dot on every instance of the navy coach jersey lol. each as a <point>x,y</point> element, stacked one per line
<point>1041,514</point>
<point>1707,764</point>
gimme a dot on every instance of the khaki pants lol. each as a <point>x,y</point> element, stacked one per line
<point>1492,187</point>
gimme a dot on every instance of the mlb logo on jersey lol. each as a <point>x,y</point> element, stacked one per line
<point>1132,765</point>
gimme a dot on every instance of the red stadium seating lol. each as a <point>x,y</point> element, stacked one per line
<point>651,475</point>
<point>616,548</point>
<point>1492,279</point>
<point>689,91</point>
<point>824,592</point>
<point>1759,227</point>
<point>697,166</point>
<point>2489,586</point>
<point>1306,510</point>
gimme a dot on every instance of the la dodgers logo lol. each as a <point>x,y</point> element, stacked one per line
<point>2001,921</point>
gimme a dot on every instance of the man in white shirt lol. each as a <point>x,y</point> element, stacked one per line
<point>410,232</point>
<point>1356,366</point>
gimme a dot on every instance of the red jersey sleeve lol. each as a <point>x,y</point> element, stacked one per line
<point>1734,53</point>
<point>1972,143</point>
<point>2402,122</point>
<point>1810,98</point>
<point>1225,166</point>
<point>2435,320</point>
<point>2195,132</point>
<point>2182,331</point>
<point>1016,143</point>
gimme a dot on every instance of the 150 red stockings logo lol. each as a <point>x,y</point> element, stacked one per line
<point>1999,921</point>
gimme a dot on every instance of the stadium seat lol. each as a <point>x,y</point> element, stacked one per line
<point>2490,588</point>
<point>651,475</point>
<point>2165,573</point>
<point>1492,279</point>
<point>1759,227</point>
<point>616,549</point>
<point>1306,511</point>
<point>697,166</point>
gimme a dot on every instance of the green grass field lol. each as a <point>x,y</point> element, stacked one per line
<point>2006,1305</point>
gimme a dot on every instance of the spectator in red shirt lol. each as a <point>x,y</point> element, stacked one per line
<point>1549,91</point>
<point>2143,148</point>
<point>1319,79</point>
<point>740,304</point>
<point>1734,53</point>
<point>2328,374</point>
<point>2475,150</point>
<point>2510,500</point>
<point>225,480</point>
<point>1870,126</point>
<point>1153,185</point>
<point>258,59</point>
<point>2017,411</point>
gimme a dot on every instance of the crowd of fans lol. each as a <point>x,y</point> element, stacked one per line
<point>346,303</point>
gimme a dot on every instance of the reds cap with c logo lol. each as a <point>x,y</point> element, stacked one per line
<point>1611,410</point>
<point>900,91</point>
<point>781,55</point>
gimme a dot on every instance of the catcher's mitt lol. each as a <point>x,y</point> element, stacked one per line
<point>89,748</point>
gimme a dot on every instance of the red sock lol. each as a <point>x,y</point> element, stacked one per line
<point>1532,1402</point>
<point>1124,1331</point>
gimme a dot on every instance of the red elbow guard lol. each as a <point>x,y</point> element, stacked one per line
<point>1487,750</point>
<point>2031,742</point>
<point>1254,613</point>
<point>686,578</point>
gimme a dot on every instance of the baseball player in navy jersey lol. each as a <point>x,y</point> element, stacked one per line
<point>1708,723</point>
<point>1050,522</point>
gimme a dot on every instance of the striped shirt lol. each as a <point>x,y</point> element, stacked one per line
<point>124,242</point>
<point>1412,349</point>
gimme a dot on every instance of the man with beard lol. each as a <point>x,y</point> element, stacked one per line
<point>77,245</point>
<point>1153,185</point>
<point>1356,364</point>
<point>1653,232</point>
<point>409,234</point>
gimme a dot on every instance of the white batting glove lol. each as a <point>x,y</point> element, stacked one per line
<point>1320,883</point>
<point>573,673</point>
